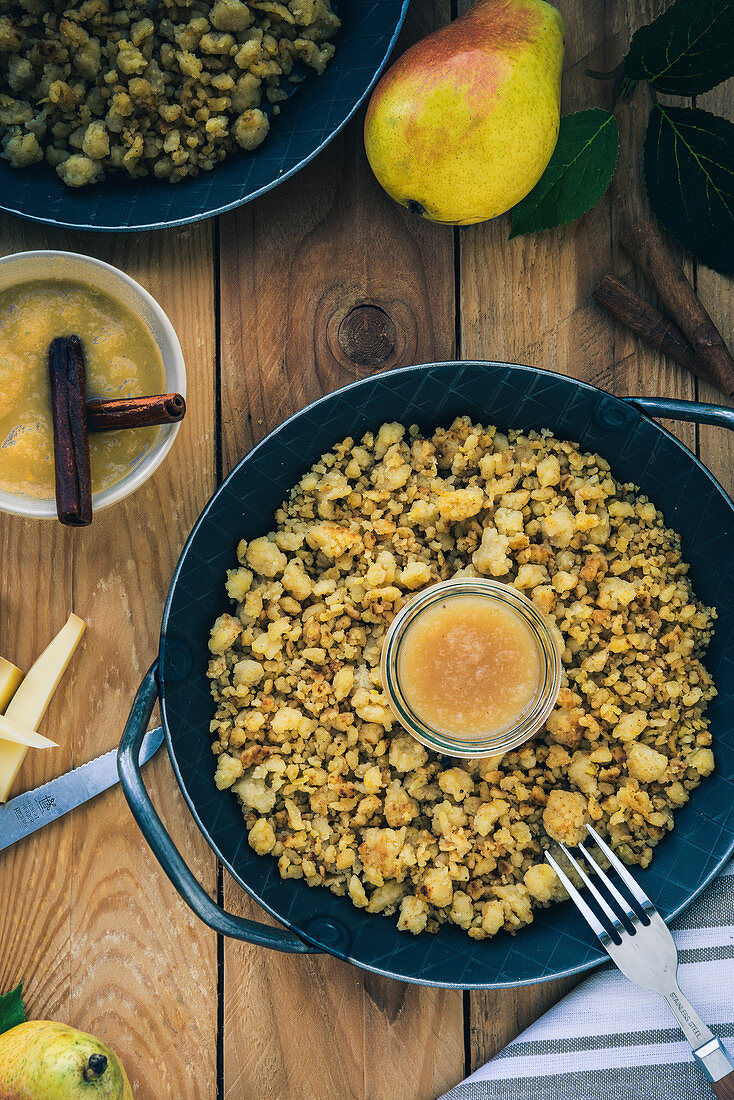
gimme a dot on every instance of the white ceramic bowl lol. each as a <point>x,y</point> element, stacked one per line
<point>47,265</point>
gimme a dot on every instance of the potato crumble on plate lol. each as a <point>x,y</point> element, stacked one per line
<point>338,793</point>
<point>149,86</point>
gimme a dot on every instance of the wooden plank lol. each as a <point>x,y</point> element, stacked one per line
<point>639,369</point>
<point>497,1018</point>
<point>326,280</point>
<point>717,294</point>
<point>95,929</point>
<point>322,282</point>
<point>528,301</point>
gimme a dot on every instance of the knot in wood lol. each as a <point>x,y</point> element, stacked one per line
<point>367,336</point>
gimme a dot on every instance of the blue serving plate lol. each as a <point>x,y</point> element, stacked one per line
<point>311,116</point>
<point>558,941</point>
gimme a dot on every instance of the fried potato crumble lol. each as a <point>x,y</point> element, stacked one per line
<point>338,793</point>
<point>149,86</point>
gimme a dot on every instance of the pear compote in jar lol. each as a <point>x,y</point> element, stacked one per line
<point>470,668</point>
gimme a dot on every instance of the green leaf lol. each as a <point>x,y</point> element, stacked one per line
<point>688,158</point>
<point>11,1009</point>
<point>577,175</point>
<point>687,50</point>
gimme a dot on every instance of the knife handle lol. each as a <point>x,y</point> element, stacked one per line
<point>165,850</point>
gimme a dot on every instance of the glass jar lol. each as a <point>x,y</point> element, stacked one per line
<point>496,741</point>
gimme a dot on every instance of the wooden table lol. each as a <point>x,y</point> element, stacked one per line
<point>316,284</point>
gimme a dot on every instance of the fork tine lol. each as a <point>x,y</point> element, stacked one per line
<point>621,901</point>
<point>600,899</point>
<point>637,892</point>
<point>589,916</point>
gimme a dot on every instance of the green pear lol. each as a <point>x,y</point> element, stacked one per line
<point>464,123</point>
<point>42,1060</point>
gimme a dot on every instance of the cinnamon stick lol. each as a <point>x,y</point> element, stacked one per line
<point>649,323</point>
<point>135,412</point>
<point>71,439</point>
<point>649,251</point>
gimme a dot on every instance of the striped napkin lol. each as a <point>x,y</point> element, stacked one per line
<point>609,1040</point>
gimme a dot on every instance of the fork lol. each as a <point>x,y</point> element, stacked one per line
<point>639,942</point>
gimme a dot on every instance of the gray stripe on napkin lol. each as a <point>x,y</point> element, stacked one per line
<point>682,1080</point>
<point>711,909</point>
<point>580,1043</point>
<point>706,954</point>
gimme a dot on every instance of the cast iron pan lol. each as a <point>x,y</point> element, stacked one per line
<point>640,451</point>
<point>313,113</point>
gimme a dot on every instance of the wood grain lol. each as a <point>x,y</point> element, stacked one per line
<point>527,300</point>
<point>325,281</point>
<point>716,446</point>
<point>638,369</point>
<point>96,931</point>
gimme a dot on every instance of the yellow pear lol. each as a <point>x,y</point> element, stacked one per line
<point>50,1061</point>
<point>464,123</point>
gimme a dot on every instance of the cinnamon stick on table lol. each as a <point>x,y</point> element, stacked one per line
<point>649,251</point>
<point>71,439</point>
<point>135,412</point>
<point>649,323</point>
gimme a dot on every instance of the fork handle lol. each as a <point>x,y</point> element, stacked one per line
<point>708,1051</point>
<point>717,1065</point>
<point>724,1088</point>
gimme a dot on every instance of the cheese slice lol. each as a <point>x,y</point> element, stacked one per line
<point>28,705</point>
<point>19,735</point>
<point>10,678</point>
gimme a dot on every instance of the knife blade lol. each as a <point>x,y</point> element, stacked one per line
<point>28,812</point>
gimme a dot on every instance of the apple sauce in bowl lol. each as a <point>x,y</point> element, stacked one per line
<point>130,350</point>
<point>121,358</point>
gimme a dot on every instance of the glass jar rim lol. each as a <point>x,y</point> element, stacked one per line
<point>534,715</point>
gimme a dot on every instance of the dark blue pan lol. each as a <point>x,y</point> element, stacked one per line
<point>639,450</point>
<point>311,116</point>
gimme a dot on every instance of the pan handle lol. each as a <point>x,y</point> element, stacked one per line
<point>695,411</point>
<point>163,847</point>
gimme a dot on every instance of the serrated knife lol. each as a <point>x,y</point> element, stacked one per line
<point>28,812</point>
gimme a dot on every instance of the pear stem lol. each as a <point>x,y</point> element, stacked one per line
<point>95,1067</point>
